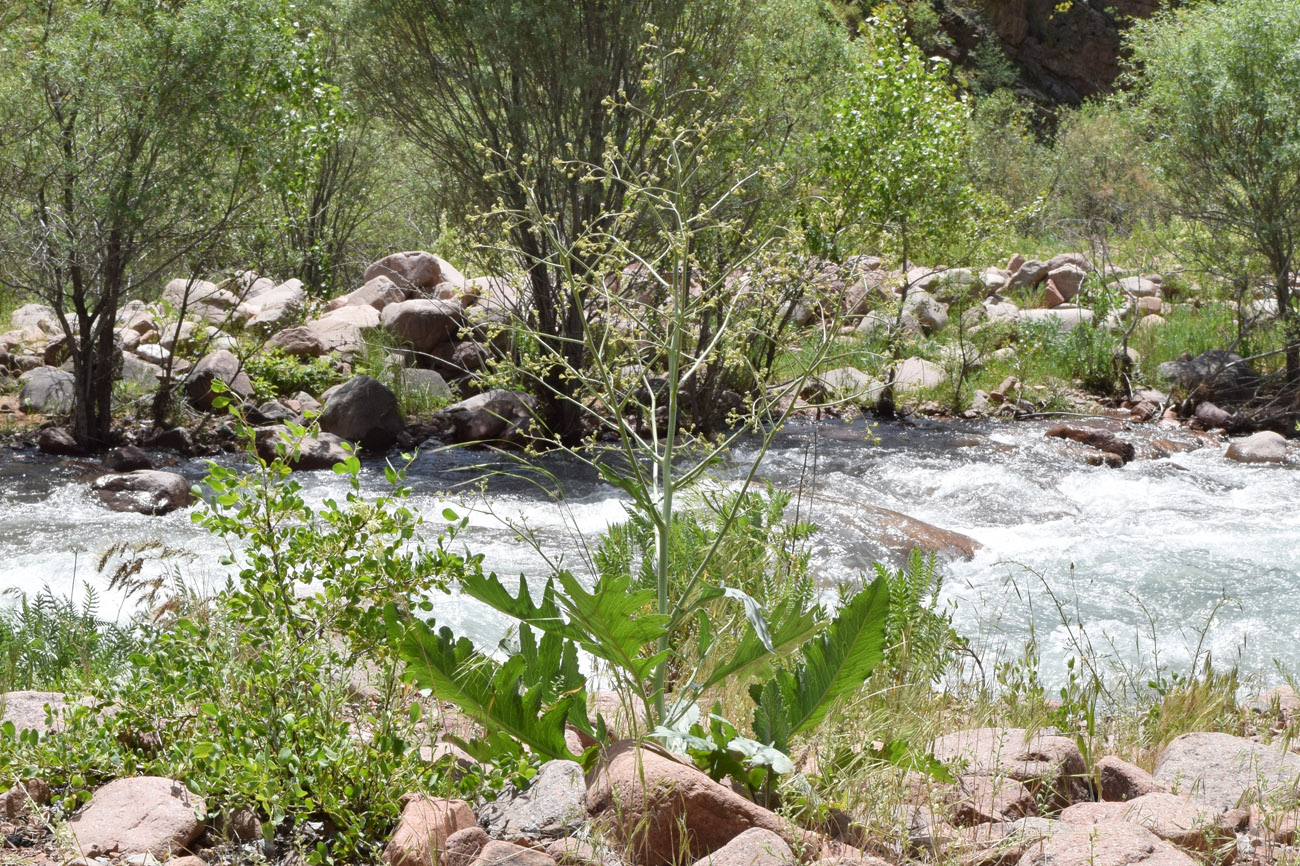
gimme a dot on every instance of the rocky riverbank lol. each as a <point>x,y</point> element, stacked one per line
<point>1026,797</point>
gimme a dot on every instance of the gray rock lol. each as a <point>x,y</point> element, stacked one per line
<point>927,310</point>
<point>275,306</point>
<point>553,807</point>
<point>846,383</point>
<point>1065,318</point>
<point>754,847</point>
<point>1262,447</point>
<point>1067,280</point>
<point>423,325</point>
<point>47,391</point>
<point>222,365</point>
<point>145,491</point>
<point>36,316</point>
<point>427,383</point>
<point>485,417</point>
<point>1221,770</point>
<point>1218,376</point>
<point>1028,275</point>
<point>915,374</point>
<point>1139,287</point>
<point>362,410</point>
<point>310,453</point>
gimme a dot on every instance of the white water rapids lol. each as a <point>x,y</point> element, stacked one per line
<point>1147,557</point>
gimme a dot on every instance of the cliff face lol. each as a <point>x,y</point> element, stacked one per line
<point>1064,55</point>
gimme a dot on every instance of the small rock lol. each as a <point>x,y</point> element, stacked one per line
<point>509,854</point>
<point>1119,781</point>
<point>1028,275</point>
<point>175,438</point>
<point>462,847</point>
<point>146,814</point>
<point>413,270</point>
<point>145,491</point>
<point>14,801</point>
<point>127,459</point>
<point>1102,440</point>
<point>1211,416</point>
<point>754,847</point>
<point>424,828</point>
<point>59,442</point>
<point>915,374</point>
<point>1262,447</point>
<point>244,825</point>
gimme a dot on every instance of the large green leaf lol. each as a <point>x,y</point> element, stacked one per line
<point>516,698</point>
<point>790,627</point>
<point>614,624</point>
<point>833,665</point>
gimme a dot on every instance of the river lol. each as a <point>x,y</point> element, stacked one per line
<point>1146,563</point>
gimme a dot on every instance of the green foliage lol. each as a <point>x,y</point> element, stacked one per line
<point>275,374</point>
<point>892,162</point>
<point>920,637</point>
<point>1216,95</point>
<point>1103,181</point>
<point>50,643</point>
<point>830,667</point>
<point>135,137</point>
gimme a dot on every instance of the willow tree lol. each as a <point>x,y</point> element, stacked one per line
<point>504,98</point>
<point>135,138</point>
<point>1218,97</point>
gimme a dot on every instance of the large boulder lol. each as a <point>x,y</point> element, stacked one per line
<point>1110,844</point>
<point>1217,375</point>
<point>844,383</point>
<point>298,342</point>
<point>1139,287</point>
<point>666,809</point>
<point>362,410</point>
<point>927,310</point>
<point>1222,770</point>
<point>59,442</point>
<point>916,374</point>
<point>1028,275</point>
<point>421,324</point>
<point>1118,780</point>
<point>377,293</point>
<point>1262,447</point>
<point>1052,767</point>
<point>36,316</point>
<point>554,806</point>
<point>145,491</point>
<point>221,364</point>
<point>191,292</point>
<point>47,391</point>
<point>422,831</point>
<point>488,416</point>
<point>1180,820</point>
<point>414,271</point>
<point>27,710</point>
<point>1065,318</point>
<point>276,306</point>
<point>142,815</point>
<point>988,799</point>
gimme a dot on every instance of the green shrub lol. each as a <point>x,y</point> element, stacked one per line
<point>275,374</point>
<point>50,643</point>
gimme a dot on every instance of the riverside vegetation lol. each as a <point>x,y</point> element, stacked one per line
<point>694,223</point>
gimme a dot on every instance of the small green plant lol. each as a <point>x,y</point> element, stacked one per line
<point>275,374</point>
<point>52,643</point>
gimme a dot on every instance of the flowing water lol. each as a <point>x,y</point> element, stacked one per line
<point>1153,560</point>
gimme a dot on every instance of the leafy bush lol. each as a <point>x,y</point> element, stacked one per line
<point>50,643</point>
<point>275,374</point>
